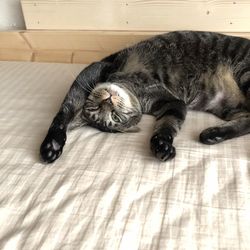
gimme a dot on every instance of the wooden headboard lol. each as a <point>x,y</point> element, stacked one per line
<point>82,31</point>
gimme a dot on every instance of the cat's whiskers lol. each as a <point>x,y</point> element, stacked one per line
<point>97,95</point>
<point>124,108</point>
<point>133,104</point>
<point>84,86</point>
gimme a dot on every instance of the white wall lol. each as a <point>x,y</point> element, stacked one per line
<point>11,16</point>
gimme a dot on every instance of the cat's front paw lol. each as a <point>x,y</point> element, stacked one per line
<point>52,146</point>
<point>162,148</point>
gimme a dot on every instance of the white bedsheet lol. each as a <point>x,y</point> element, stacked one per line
<point>107,191</point>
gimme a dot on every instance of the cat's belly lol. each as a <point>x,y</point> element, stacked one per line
<point>218,91</point>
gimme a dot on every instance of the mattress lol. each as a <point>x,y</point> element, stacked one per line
<point>107,191</point>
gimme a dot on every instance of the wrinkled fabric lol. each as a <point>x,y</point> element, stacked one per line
<point>107,191</point>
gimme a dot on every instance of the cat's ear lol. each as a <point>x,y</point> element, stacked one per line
<point>133,129</point>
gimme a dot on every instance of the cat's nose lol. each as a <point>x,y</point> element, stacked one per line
<point>108,100</point>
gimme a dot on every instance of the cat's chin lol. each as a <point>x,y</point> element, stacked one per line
<point>120,91</point>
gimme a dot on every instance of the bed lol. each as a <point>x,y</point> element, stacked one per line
<point>107,191</point>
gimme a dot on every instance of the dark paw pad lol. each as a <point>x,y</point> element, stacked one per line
<point>212,136</point>
<point>162,147</point>
<point>52,146</point>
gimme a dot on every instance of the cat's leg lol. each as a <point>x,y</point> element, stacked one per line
<point>53,144</point>
<point>169,118</point>
<point>238,124</point>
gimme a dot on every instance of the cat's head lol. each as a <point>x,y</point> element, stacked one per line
<point>112,108</point>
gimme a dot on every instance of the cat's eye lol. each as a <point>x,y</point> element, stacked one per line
<point>115,117</point>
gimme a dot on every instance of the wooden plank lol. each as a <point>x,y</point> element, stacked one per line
<point>84,40</point>
<point>87,57</point>
<point>143,15</point>
<point>12,40</point>
<point>68,46</point>
<point>89,40</point>
<point>63,56</point>
<point>15,55</point>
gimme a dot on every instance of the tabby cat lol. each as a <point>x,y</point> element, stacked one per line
<point>163,76</point>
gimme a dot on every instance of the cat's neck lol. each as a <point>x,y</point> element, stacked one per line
<point>143,87</point>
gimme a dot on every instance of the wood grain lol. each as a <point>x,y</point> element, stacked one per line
<point>15,55</point>
<point>12,40</point>
<point>61,56</point>
<point>139,15</point>
<point>86,57</point>
<point>84,40</point>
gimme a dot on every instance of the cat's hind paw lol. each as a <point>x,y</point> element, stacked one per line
<point>162,147</point>
<point>52,146</point>
<point>213,135</point>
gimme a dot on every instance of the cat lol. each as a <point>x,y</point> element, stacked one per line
<point>163,76</point>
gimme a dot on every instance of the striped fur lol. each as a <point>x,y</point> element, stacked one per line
<point>163,76</point>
